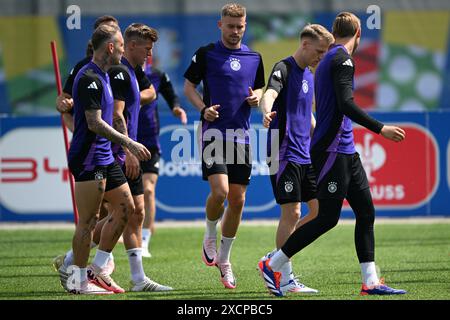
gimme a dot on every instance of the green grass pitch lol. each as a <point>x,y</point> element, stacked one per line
<point>415,257</point>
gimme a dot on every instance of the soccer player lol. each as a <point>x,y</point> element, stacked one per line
<point>139,40</point>
<point>64,102</point>
<point>91,162</point>
<point>338,167</point>
<point>148,135</point>
<point>233,80</point>
<point>287,110</point>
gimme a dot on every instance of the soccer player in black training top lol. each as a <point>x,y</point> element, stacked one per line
<point>338,167</point>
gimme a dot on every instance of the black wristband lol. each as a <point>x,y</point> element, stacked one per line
<point>202,112</point>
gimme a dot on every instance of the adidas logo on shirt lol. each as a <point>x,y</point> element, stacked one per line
<point>277,74</point>
<point>119,76</point>
<point>93,85</point>
<point>348,62</point>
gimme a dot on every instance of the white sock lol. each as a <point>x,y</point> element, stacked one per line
<point>211,228</point>
<point>68,260</point>
<point>286,272</point>
<point>146,236</point>
<point>225,249</point>
<point>83,274</point>
<point>101,258</point>
<point>136,267</point>
<point>369,274</point>
<point>278,260</point>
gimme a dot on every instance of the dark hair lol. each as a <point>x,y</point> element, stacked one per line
<point>346,24</point>
<point>103,34</point>
<point>89,49</point>
<point>140,31</point>
<point>105,19</point>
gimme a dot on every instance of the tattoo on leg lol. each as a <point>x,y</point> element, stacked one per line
<point>124,216</point>
<point>86,233</point>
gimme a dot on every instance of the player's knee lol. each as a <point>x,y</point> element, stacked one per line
<point>126,211</point>
<point>236,201</point>
<point>313,209</point>
<point>89,223</point>
<point>139,214</point>
<point>290,212</point>
<point>294,215</point>
<point>149,192</point>
<point>219,195</point>
<point>326,222</point>
<point>329,213</point>
<point>290,217</point>
<point>330,222</point>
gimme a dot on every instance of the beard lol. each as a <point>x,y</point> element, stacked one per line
<point>115,59</point>
<point>233,40</point>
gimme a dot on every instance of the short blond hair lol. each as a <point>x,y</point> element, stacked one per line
<point>346,24</point>
<point>316,32</point>
<point>140,31</point>
<point>234,10</point>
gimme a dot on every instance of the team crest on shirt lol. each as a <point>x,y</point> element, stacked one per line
<point>209,163</point>
<point>332,187</point>
<point>288,186</point>
<point>305,87</point>
<point>98,175</point>
<point>235,64</point>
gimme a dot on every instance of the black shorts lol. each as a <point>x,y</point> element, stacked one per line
<point>112,173</point>
<point>237,165</point>
<point>294,183</point>
<point>136,185</point>
<point>152,165</point>
<point>346,175</point>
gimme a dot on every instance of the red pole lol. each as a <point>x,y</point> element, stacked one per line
<point>64,128</point>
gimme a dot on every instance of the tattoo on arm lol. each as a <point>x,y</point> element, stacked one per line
<point>119,124</point>
<point>100,127</point>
